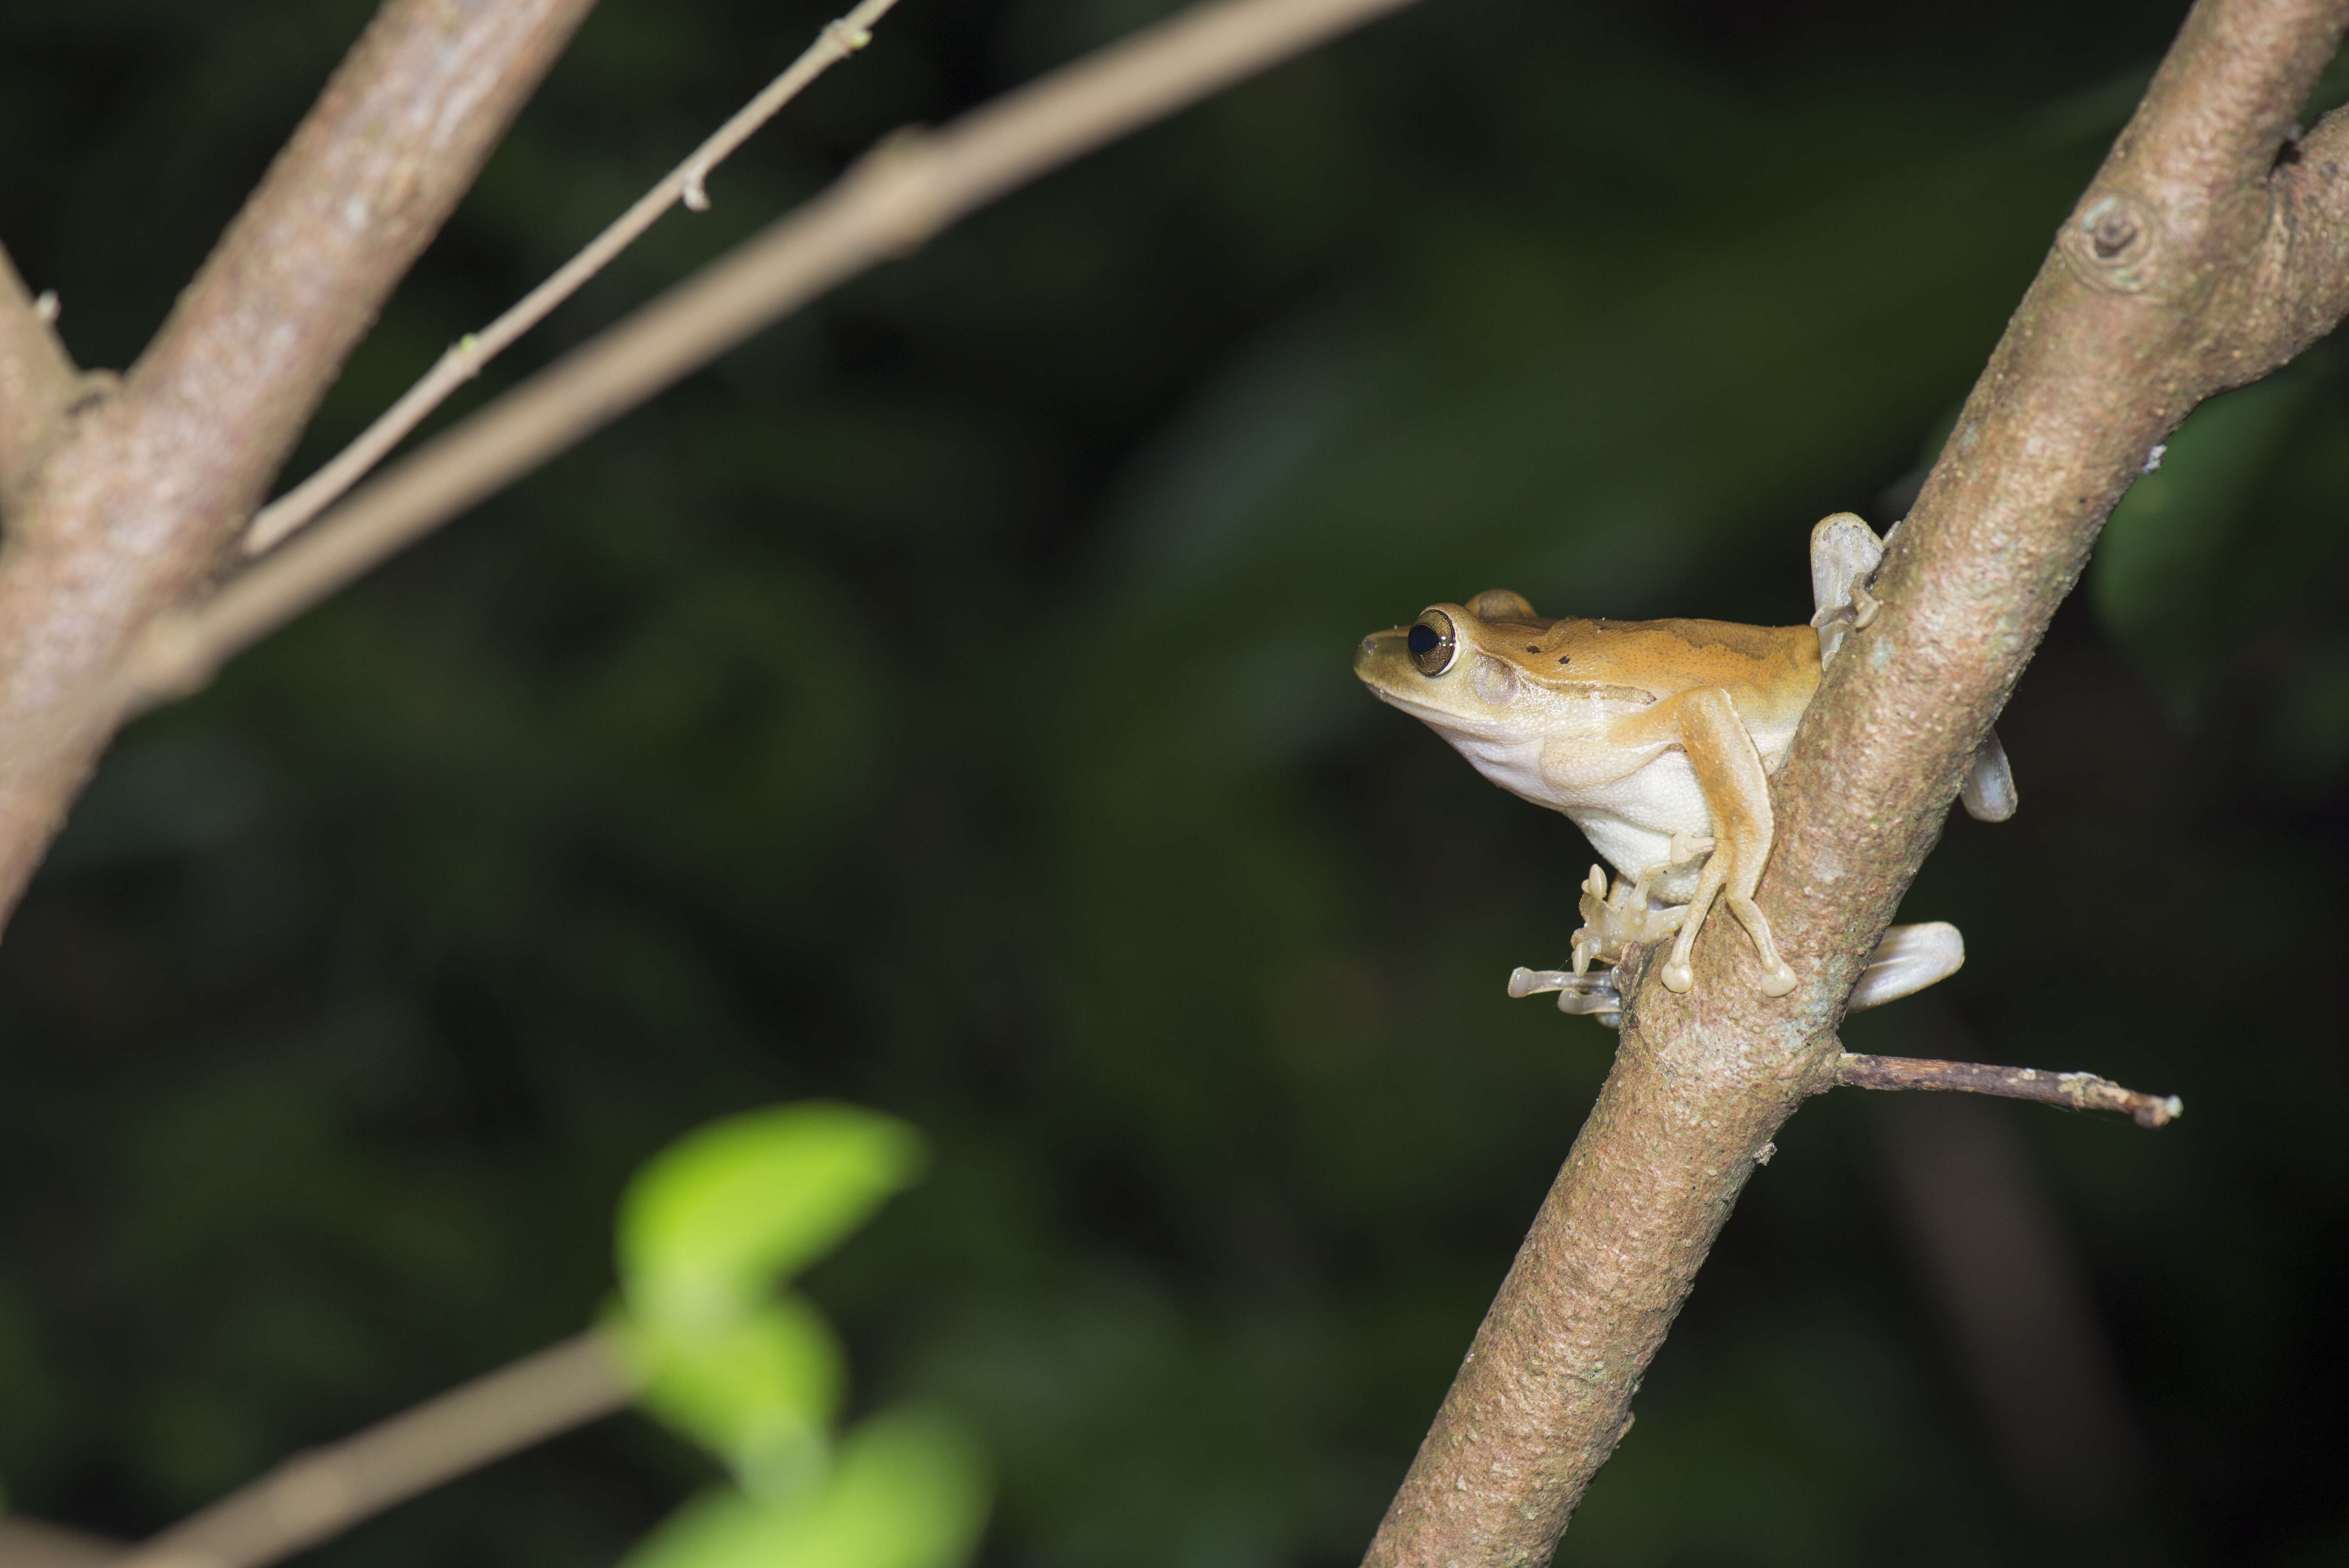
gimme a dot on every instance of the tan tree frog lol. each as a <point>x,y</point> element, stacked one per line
<point>1658,740</point>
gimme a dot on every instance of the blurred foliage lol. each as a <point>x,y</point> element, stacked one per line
<point>942,705</point>
<point>710,1232</point>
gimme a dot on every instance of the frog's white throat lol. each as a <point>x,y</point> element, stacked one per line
<point>1631,847</point>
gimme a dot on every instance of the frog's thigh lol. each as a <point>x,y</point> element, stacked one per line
<point>1703,723</point>
<point>1728,768</point>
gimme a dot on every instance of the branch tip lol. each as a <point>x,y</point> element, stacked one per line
<point>2072,1091</point>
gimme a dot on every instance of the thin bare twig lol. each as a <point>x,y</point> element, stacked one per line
<point>2073,1091</point>
<point>2198,258</point>
<point>899,195</point>
<point>319,1494</point>
<point>465,359</point>
<point>145,488</point>
<point>37,380</point>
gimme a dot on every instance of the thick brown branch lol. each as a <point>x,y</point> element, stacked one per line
<point>37,380</point>
<point>2143,307</point>
<point>2073,1091</point>
<point>317,1495</point>
<point>134,507</point>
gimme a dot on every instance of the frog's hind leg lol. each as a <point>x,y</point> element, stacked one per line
<point>1677,974</point>
<point>1703,722</point>
<point>1777,974</point>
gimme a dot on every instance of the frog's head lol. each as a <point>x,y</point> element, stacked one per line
<point>1474,669</point>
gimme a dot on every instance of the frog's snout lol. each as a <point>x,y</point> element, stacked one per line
<point>1368,651</point>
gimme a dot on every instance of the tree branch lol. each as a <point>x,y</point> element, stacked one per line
<point>461,363</point>
<point>29,1543</point>
<point>2073,1091</point>
<point>135,505</point>
<point>37,380</point>
<point>317,1495</point>
<point>899,195</point>
<point>2161,288</point>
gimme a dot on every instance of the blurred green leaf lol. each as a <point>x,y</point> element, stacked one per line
<point>761,1393</point>
<point>909,1492</point>
<point>715,1222</point>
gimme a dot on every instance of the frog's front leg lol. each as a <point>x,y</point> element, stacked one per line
<point>1703,722</point>
<point>1845,557</point>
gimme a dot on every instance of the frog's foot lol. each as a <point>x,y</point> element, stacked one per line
<point>1613,923</point>
<point>1676,973</point>
<point>1777,975</point>
<point>1909,959</point>
<point>1845,554</point>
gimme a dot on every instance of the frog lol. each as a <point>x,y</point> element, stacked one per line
<point>1658,740</point>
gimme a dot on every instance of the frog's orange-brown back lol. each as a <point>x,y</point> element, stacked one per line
<point>1769,672</point>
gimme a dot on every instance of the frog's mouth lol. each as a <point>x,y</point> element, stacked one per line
<point>1452,725</point>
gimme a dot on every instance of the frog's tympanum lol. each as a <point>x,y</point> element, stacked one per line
<point>1657,739</point>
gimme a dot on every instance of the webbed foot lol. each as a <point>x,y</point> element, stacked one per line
<point>1909,959</point>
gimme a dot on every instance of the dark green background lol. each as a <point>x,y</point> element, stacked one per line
<point>943,704</point>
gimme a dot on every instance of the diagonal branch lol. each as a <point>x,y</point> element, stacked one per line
<point>135,505</point>
<point>2198,259</point>
<point>315,1496</point>
<point>461,363</point>
<point>897,196</point>
<point>38,379</point>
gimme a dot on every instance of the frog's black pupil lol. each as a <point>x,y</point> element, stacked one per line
<point>1423,639</point>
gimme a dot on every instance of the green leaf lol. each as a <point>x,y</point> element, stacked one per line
<point>909,1492</point>
<point>761,1393</point>
<point>711,1227</point>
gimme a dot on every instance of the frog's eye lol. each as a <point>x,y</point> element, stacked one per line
<point>1431,642</point>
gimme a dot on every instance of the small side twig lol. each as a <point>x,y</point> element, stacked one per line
<point>38,378</point>
<point>319,1494</point>
<point>2075,1091</point>
<point>465,358</point>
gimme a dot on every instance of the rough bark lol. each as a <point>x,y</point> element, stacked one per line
<point>2207,251</point>
<point>135,499</point>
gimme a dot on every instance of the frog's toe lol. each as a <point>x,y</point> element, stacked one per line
<point>1679,977</point>
<point>1779,981</point>
<point>1909,959</point>
<point>1525,982</point>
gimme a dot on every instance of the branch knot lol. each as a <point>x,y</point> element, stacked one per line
<point>2114,241</point>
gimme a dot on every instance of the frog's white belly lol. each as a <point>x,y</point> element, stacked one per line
<point>1630,821</point>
